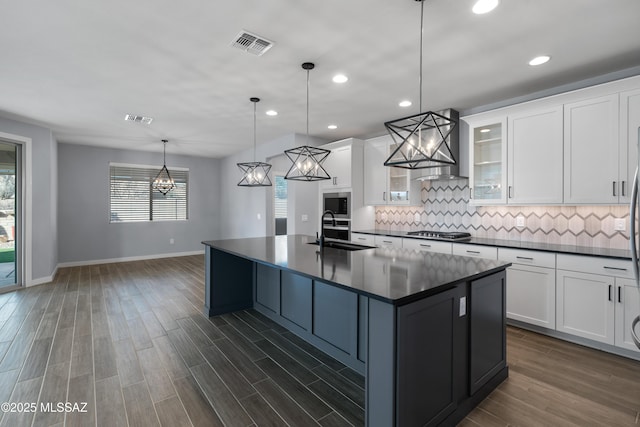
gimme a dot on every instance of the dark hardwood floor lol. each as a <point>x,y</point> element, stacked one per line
<point>129,340</point>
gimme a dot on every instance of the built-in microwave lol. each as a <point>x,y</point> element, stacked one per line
<point>338,203</point>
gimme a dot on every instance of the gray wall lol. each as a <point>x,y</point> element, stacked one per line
<point>44,198</point>
<point>240,206</point>
<point>85,233</point>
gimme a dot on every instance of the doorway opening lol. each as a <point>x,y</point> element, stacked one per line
<point>280,205</point>
<point>10,214</point>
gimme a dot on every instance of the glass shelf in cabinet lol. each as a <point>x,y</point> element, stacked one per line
<point>487,163</point>
<point>488,141</point>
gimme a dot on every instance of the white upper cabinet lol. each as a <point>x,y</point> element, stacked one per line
<point>535,157</point>
<point>385,185</point>
<point>591,153</point>
<point>338,166</point>
<point>488,159</point>
<point>629,126</point>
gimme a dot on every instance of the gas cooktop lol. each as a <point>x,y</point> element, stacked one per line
<point>452,236</point>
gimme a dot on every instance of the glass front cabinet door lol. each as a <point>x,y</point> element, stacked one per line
<point>488,161</point>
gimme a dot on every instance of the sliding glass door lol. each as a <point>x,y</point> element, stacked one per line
<point>10,214</point>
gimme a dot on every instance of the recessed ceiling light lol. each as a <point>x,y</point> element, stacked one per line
<point>404,103</point>
<point>484,6</point>
<point>332,127</point>
<point>539,60</point>
<point>340,78</point>
<point>271,113</point>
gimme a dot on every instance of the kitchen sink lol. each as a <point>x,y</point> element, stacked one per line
<point>343,245</point>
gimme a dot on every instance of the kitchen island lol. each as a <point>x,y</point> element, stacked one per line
<point>427,330</point>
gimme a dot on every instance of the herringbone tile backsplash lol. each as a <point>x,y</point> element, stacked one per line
<point>446,208</point>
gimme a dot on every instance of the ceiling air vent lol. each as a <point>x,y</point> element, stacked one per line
<point>251,43</point>
<point>138,119</point>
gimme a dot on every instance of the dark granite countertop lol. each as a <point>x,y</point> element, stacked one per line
<point>393,275</point>
<point>546,247</point>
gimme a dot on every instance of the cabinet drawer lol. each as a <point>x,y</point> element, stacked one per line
<point>395,242</point>
<point>427,245</point>
<point>364,239</point>
<point>524,257</point>
<point>596,265</point>
<point>478,251</point>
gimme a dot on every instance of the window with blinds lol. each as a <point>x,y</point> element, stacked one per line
<point>280,197</point>
<point>132,199</point>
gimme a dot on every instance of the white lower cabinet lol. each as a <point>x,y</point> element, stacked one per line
<point>478,251</point>
<point>363,239</point>
<point>427,245</point>
<point>627,308</point>
<point>596,306</point>
<point>387,241</point>
<point>584,305</point>
<point>531,286</point>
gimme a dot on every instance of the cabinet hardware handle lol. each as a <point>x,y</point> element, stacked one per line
<point>473,252</point>
<point>623,184</point>
<point>384,196</point>
<point>609,292</point>
<point>615,268</point>
<point>361,238</point>
<point>619,293</point>
<point>525,257</point>
<point>470,193</point>
<point>335,180</point>
<point>387,241</point>
<point>509,192</point>
<point>425,246</point>
<point>614,189</point>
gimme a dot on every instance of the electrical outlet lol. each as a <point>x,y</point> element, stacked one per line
<point>619,224</point>
<point>520,221</point>
<point>171,241</point>
<point>305,217</point>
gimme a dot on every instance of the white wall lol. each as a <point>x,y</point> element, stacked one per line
<point>84,232</point>
<point>43,244</point>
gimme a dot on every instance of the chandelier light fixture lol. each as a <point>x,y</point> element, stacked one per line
<point>254,174</point>
<point>420,141</point>
<point>163,182</point>
<point>307,161</point>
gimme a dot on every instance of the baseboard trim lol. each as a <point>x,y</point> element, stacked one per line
<point>42,280</point>
<point>127,259</point>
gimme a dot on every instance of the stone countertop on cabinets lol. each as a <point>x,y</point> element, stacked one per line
<point>533,246</point>
<point>393,275</point>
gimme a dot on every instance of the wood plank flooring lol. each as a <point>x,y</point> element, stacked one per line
<point>129,340</point>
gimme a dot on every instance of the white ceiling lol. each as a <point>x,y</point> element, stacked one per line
<point>79,66</point>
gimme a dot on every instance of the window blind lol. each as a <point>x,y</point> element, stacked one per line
<point>280,197</point>
<point>132,199</point>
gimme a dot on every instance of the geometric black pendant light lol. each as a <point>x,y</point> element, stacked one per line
<point>254,174</point>
<point>306,160</point>
<point>421,141</point>
<point>163,181</point>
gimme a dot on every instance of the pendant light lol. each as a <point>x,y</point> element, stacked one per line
<point>163,182</point>
<point>420,141</point>
<point>254,174</point>
<point>307,161</point>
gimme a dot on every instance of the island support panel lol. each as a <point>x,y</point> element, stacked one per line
<point>228,282</point>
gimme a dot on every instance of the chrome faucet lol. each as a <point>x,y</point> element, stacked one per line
<point>321,238</point>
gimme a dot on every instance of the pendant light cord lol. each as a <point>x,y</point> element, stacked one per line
<point>421,37</point>
<point>254,132</point>
<point>308,143</point>
<point>164,152</point>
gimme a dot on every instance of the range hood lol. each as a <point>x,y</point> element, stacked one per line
<point>441,171</point>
